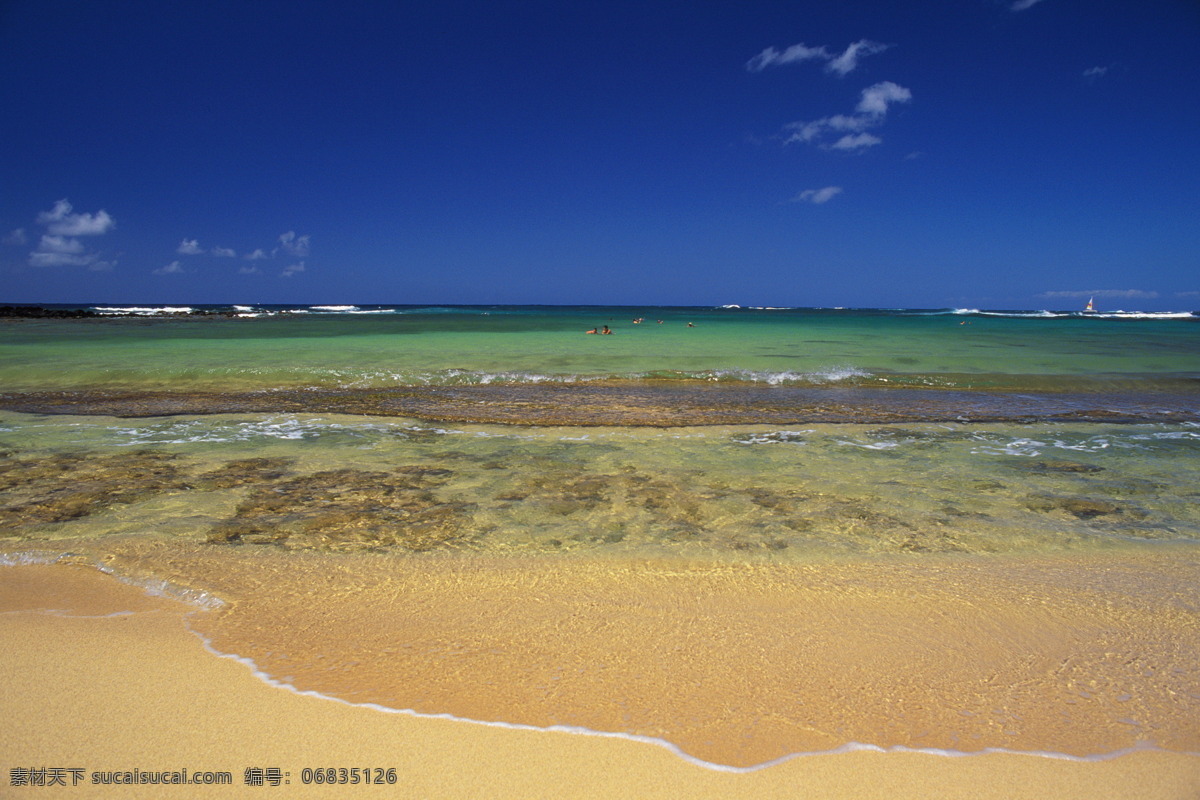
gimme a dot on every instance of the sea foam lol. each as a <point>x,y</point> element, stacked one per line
<point>848,747</point>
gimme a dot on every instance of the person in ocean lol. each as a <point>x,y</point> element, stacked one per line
<point>604,329</point>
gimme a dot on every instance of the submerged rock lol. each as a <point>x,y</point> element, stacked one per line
<point>64,487</point>
<point>1056,466</point>
<point>1079,507</point>
<point>243,471</point>
<point>349,509</point>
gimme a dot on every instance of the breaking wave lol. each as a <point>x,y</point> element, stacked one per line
<point>464,377</point>
<point>145,311</point>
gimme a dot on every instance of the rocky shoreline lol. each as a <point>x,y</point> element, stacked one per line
<point>640,405</point>
<point>41,312</point>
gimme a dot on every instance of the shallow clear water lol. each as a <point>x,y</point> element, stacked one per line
<point>706,492</point>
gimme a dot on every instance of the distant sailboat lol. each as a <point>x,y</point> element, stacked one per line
<point>1090,308</point>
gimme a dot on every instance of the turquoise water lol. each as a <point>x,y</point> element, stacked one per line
<point>1010,351</point>
<point>807,478</point>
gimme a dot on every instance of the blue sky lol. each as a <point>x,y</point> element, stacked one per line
<point>961,153</point>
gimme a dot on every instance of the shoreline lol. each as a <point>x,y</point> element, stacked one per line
<point>80,681</point>
<point>675,750</point>
<point>11,311</point>
<point>733,665</point>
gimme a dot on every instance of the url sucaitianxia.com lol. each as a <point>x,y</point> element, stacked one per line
<point>35,777</point>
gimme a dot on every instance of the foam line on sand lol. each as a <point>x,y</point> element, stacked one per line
<point>103,691</point>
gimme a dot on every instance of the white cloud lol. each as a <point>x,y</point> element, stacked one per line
<point>847,61</point>
<point>59,244</point>
<point>805,131</point>
<point>62,220</point>
<point>795,53</point>
<point>61,251</point>
<point>817,196</point>
<point>1021,5</point>
<point>858,141</point>
<point>1128,294</point>
<point>1095,72</point>
<point>293,244</point>
<point>58,247</point>
<point>17,238</point>
<point>840,64</point>
<point>174,268</point>
<point>41,258</point>
<point>808,131</point>
<point>872,109</point>
<point>249,269</point>
<point>875,99</point>
<point>290,243</point>
<point>91,261</point>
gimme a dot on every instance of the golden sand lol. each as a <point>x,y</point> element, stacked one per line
<point>736,664</point>
<point>138,691</point>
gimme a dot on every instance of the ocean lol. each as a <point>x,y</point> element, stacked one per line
<point>744,532</point>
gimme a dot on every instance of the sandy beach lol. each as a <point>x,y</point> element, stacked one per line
<point>104,678</point>
<point>599,400</point>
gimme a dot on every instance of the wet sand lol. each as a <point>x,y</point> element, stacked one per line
<point>95,687</point>
<point>735,664</point>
